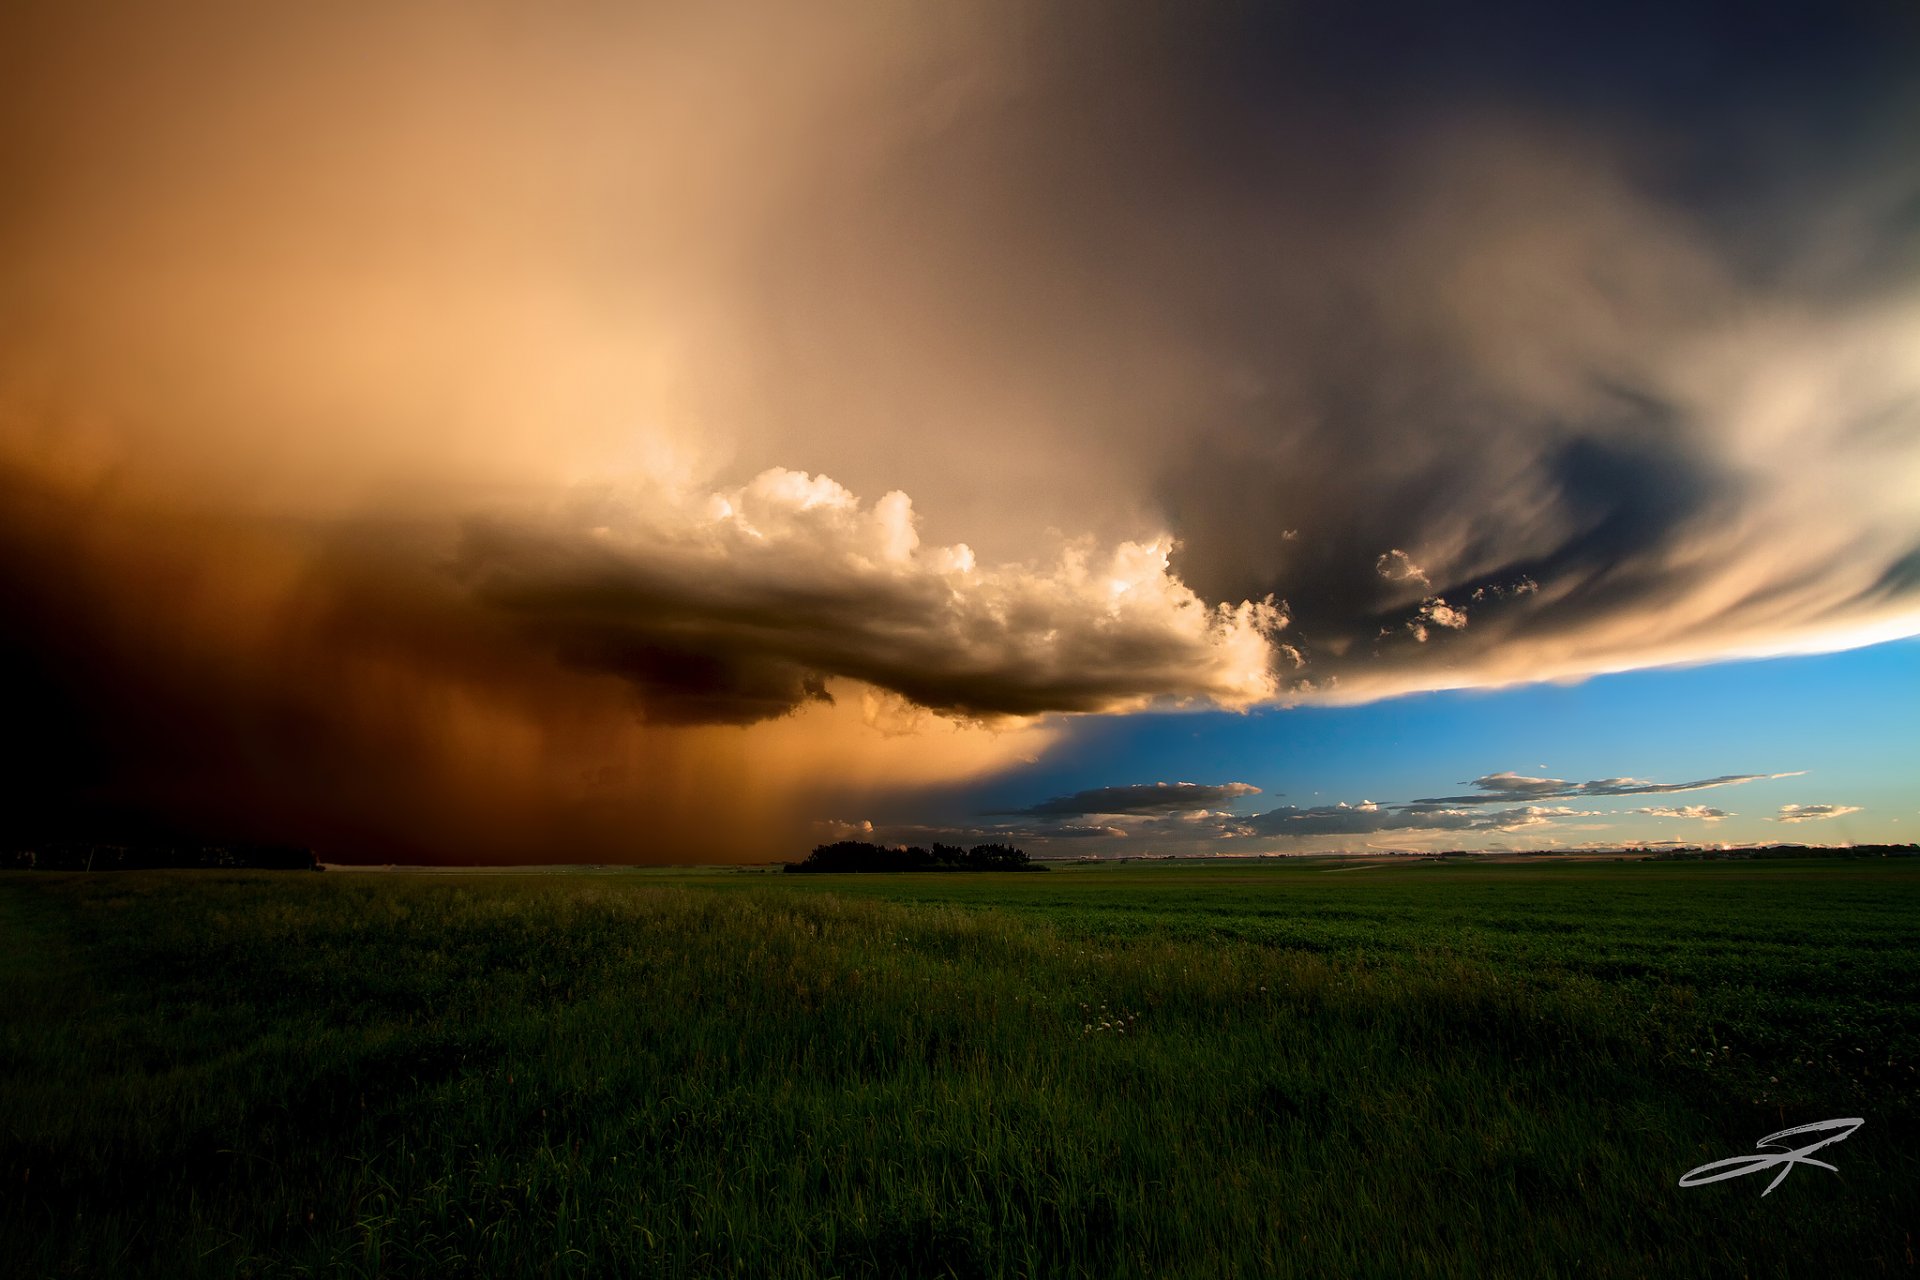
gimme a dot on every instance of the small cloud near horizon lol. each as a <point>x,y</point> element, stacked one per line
<point>1700,812</point>
<point>1499,788</point>
<point>1814,812</point>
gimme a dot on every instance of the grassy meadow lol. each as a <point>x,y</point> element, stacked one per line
<point>1176,1070</point>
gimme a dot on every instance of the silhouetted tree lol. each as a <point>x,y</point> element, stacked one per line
<point>857,855</point>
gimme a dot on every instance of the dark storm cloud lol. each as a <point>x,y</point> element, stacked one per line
<point>1506,788</point>
<point>1501,341</point>
<point>1568,327</point>
<point>1499,345</point>
<point>186,677</point>
<point>735,608</point>
<point>1148,797</point>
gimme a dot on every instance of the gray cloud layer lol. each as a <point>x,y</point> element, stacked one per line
<point>1370,819</point>
<point>1149,797</point>
<point>1506,788</point>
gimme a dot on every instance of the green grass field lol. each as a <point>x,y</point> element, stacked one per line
<point>1217,1070</point>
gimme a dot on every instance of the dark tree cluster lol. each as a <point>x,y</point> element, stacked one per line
<point>84,855</point>
<point>1765,852</point>
<point>857,855</point>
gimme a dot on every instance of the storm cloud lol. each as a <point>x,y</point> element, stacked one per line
<point>735,607</point>
<point>477,373</point>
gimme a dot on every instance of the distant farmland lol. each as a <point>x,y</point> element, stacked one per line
<point>1155,1069</point>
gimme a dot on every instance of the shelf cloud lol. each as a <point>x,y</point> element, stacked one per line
<point>736,607</point>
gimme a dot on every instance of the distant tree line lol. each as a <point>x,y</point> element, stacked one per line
<point>857,855</point>
<point>1763,852</point>
<point>83,855</point>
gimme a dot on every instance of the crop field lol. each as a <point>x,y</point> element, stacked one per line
<point>1299,1069</point>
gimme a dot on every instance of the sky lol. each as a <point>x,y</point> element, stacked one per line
<point>484,432</point>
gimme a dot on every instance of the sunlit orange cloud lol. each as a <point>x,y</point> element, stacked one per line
<point>298,258</point>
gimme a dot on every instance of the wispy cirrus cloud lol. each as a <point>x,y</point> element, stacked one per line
<point>1505,788</point>
<point>1814,812</point>
<point>1396,565</point>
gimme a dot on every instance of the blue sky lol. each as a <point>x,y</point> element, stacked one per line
<point>1842,724</point>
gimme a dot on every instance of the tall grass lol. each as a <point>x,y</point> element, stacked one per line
<point>1282,1074</point>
